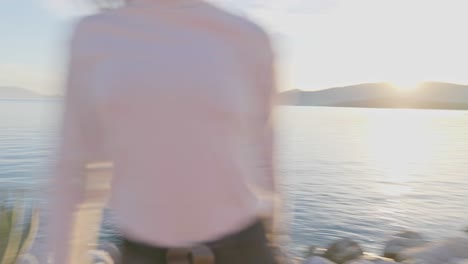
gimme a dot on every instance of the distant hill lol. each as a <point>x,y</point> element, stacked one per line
<point>20,93</point>
<point>429,95</point>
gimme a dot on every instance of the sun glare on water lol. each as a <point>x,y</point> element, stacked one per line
<point>397,140</point>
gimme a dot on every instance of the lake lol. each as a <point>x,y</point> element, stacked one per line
<point>344,172</point>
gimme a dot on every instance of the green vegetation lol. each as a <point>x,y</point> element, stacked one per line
<point>18,228</point>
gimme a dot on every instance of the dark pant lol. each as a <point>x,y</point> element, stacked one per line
<point>248,246</point>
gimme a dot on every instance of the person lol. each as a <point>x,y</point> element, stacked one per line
<point>179,96</point>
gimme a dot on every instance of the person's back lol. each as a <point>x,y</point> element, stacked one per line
<point>177,94</point>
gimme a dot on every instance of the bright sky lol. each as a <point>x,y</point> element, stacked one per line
<point>321,43</point>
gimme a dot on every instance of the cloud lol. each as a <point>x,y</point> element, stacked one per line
<point>284,17</point>
<point>285,5</point>
<point>281,6</point>
<point>69,8</point>
<point>299,6</point>
<point>75,8</point>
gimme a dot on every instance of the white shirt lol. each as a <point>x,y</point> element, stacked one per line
<point>178,95</point>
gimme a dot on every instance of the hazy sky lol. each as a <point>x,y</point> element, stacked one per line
<point>321,43</point>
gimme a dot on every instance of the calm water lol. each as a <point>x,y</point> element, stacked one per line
<point>359,173</point>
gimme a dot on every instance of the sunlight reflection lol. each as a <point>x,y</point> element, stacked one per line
<point>395,143</point>
<point>406,85</point>
<point>394,190</point>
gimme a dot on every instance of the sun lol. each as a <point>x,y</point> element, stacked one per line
<point>405,85</point>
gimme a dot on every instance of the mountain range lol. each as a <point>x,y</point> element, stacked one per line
<point>428,95</point>
<point>7,92</point>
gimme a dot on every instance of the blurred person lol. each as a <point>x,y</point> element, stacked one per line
<point>178,95</point>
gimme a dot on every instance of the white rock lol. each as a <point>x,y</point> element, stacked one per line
<point>360,261</point>
<point>413,261</point>
<point>317,260</point>
<point>371,260</point>
<point>437,253</point>
<point>314,251</point>
<point>105,254</point>
<point>402,241</point>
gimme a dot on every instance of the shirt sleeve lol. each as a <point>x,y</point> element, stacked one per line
<point>264,128</point>
<point>80,144</point>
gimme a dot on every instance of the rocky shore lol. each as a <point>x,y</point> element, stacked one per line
<point>406,247</point>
